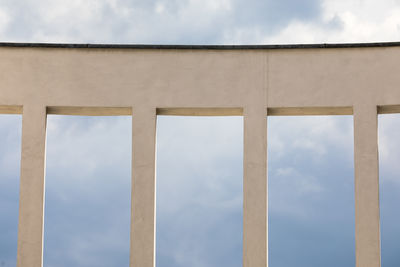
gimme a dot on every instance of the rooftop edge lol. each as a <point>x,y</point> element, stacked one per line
<point>198,47</point>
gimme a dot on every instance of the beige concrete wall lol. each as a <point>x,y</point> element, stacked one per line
<point>251,82</point>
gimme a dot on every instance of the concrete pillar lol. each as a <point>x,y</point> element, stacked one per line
<point>255,244</point>
<point>366,186</point>
<point>142,250</point>
<point>31,203</point>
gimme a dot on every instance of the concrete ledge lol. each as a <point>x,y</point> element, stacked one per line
<point>389,109</point>
<point>127,111</point>
<point>200,111</point>
<point>303,111</point>
<point>90,111</point>
<point>6,109</point>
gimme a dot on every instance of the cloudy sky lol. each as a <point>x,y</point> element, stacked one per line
<point>199,21</point>
<point>199,160</point>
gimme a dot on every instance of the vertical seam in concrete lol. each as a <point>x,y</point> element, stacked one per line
<point>266,88</point>
<point>266,77</point>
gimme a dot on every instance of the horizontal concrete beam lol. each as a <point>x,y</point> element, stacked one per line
<point>10,109</point>
<point>200,111</point>
<point>90,111</point>
<point>302,111</point>
<point>127,111</point>
<point>122,111</point>
<point>389,109</point>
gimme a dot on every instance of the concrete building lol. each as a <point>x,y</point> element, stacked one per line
<point>253,81</point>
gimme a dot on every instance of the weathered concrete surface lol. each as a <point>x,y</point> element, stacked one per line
<point>142,251</point>
<point>31,201</point>
<point>143,81</point>
<point>255,220</point>
<point>204,79</point>
<point>366,185</point>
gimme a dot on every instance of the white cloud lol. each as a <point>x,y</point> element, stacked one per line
<point>316,134</point>
<point>4,20</point>
<point>160,8</point>
<point>346,21</point>
<point>113,21</point>
<point>195,21</point>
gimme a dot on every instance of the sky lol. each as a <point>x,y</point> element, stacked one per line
<point>199,160</point>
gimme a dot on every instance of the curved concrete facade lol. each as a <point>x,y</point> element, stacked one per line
<point>253,81</point>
